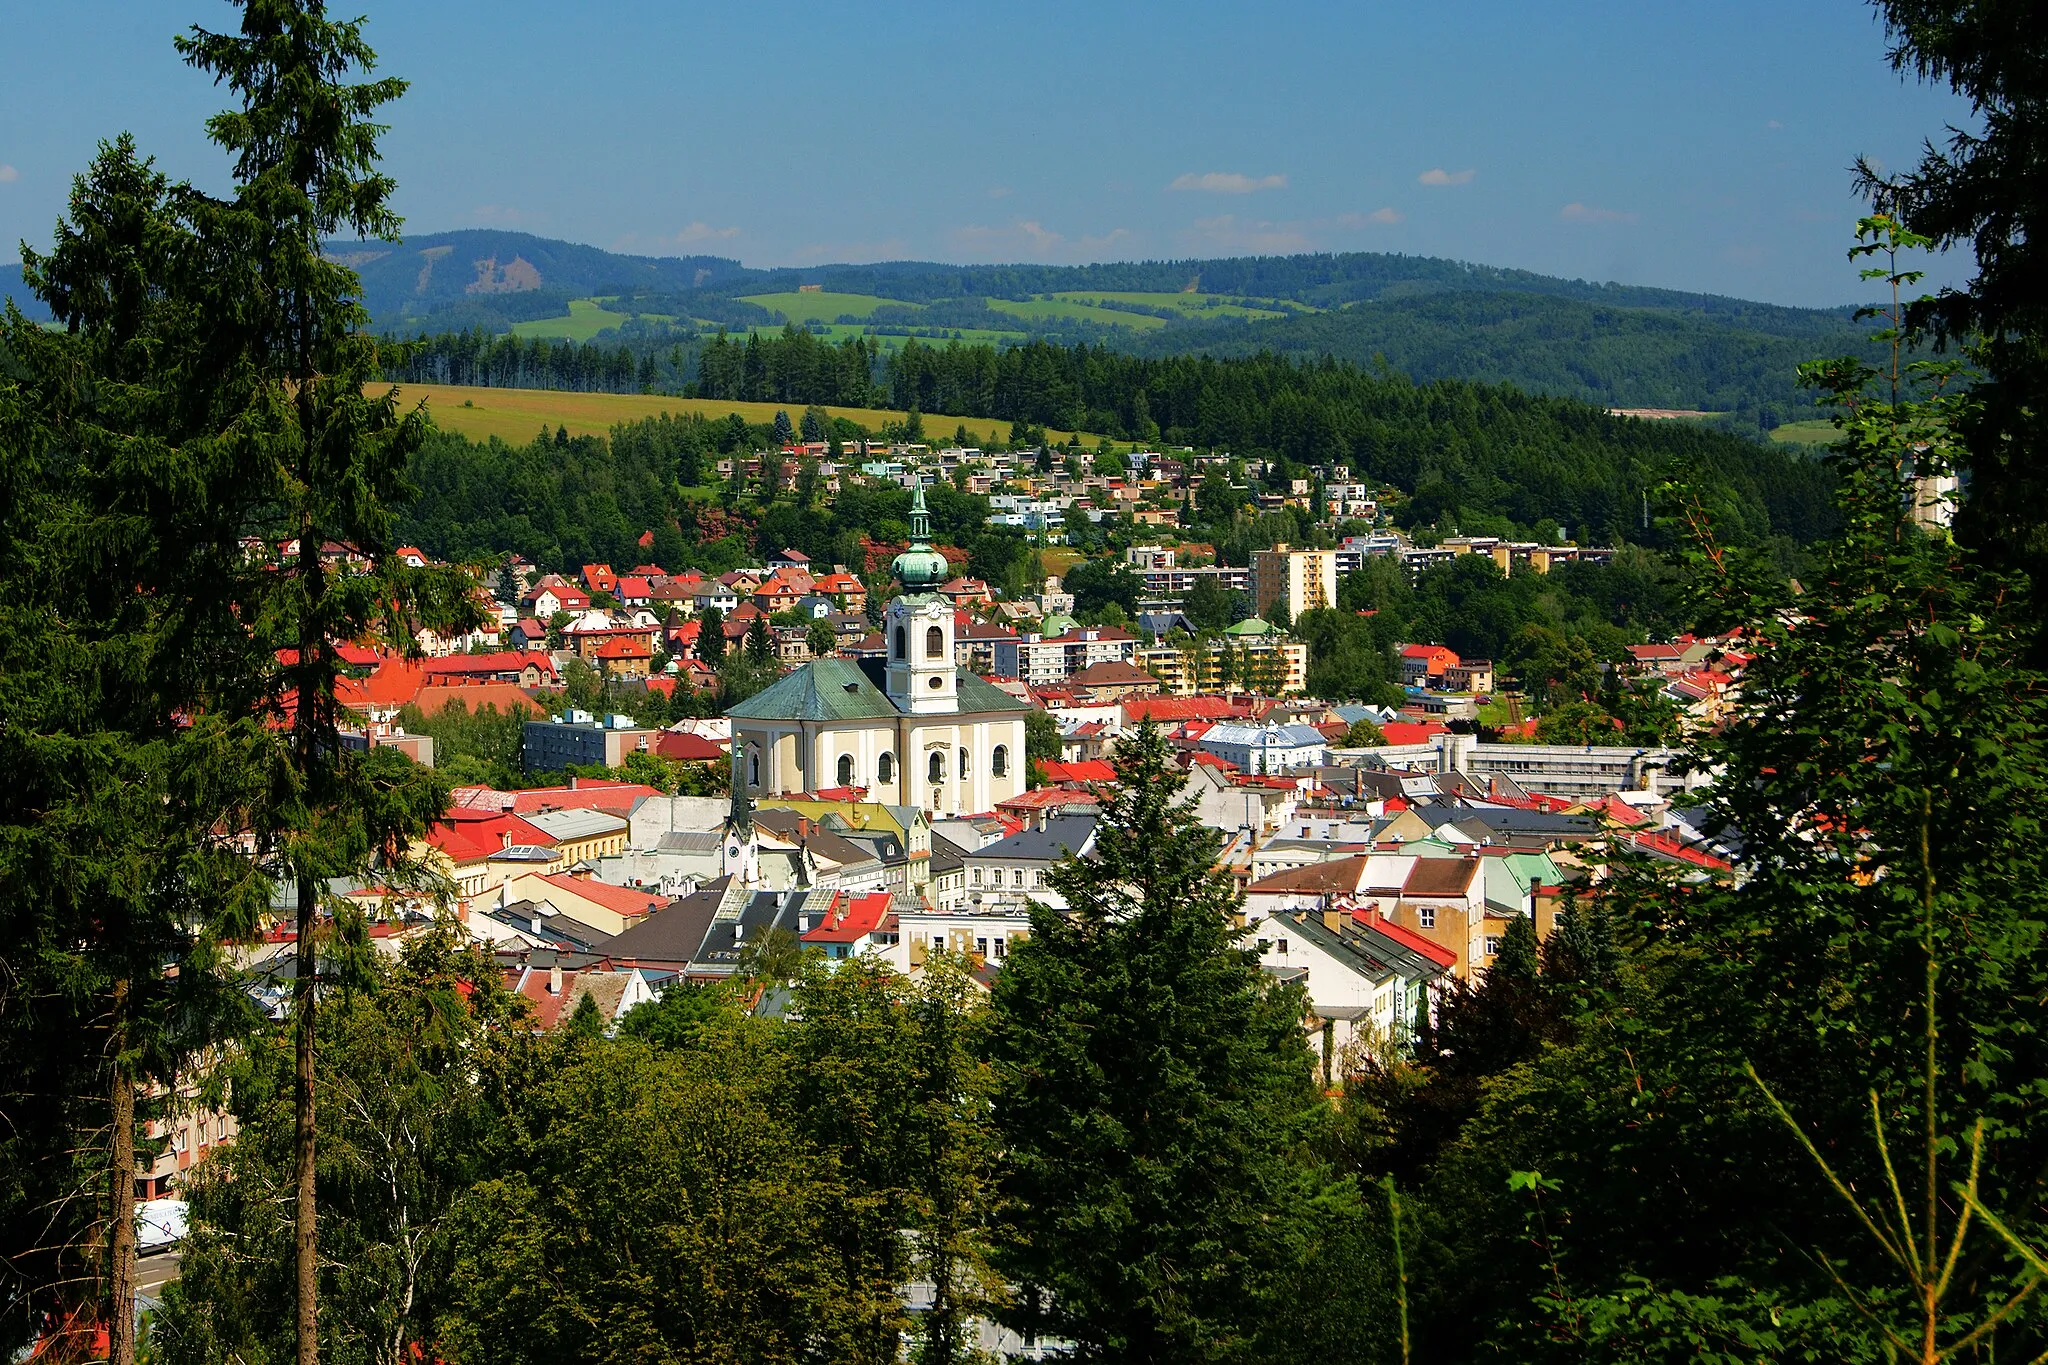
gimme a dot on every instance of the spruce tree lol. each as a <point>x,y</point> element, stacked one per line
<point>1152,1087</point>
<point>320,463</point>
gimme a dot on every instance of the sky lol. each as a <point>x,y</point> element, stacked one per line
<point>1700,146</point>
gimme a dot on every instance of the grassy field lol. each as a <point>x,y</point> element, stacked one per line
<point>824,307</point>
<point>515,415</point>
<point>1187,305</point>
<point>584,322</point>
<point>836,332</point>
<point>1046,309</point>
<point>1819,433</point>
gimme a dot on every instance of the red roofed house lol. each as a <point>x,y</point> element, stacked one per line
<point>843,588</point>
<point>1092,770</point>
<point>634,591</point>
<point>1422,665</point>
<point>1412,731</point>
<point>687,748</point>
<point>552,594</point>
<point>527,669</point>
<point>624,656</point>
<point>1167,710</point>
<point>600,578</point>
<point>555,995</point>
<point>792,559</point>
<point>608,909</point>
<point>852,924</point>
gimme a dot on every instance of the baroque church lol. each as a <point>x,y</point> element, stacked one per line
<point>910,729</point>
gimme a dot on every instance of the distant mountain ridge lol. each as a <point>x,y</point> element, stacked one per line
<point>1428,317</point>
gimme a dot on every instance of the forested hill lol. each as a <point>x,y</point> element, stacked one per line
<point>1715,357</point>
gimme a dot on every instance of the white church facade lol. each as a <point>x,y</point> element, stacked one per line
<point>911,728</point>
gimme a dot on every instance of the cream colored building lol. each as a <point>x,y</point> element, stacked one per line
<point>1306,580</point>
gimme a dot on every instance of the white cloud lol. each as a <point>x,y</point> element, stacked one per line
<point>1228,232</point>
<point>1439,176</point>
<point>1589,213</point>
<point>999,191</point>
<point>1029,239</point>
<point>888,249</point>
<point>8,174</point>
<point>1389,214</point>
<point>1228,182</point>
<point>659,244</point>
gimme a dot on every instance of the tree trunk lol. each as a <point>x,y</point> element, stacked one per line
<point>121,1192</point>
<point>305,1245</point>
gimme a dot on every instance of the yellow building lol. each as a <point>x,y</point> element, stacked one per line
<point>1303,580</point>
<point>1268,665</point>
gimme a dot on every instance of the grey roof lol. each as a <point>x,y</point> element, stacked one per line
<point>1509,820</point>
<point>851,689</point>
<point>762,911</point>
<point>946,855</point>
<point>554,926</point>
<point>672,935</point>
<point>575,824</point>
<point>688,841</point>
<point>1062,835</point>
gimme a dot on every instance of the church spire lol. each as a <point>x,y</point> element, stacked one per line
<point>741,818</point>
<point>920,520</point>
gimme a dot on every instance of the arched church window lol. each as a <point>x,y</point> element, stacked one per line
<point>846,770</point>
<point>753,767</point>
<point>937,766</point>
<point>999,761</point>
<point>962,767</point>
<point>902,643</point>
<point>885,768</point>
<point>935,643</point>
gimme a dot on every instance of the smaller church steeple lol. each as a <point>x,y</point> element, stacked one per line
<point>920,568</point>
<point>741,847</point>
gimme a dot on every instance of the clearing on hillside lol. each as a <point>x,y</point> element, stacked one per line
<point>1188,305</point>
<point>585,320</point>
<point>821,306</point>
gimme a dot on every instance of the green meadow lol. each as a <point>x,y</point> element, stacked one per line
<point>823,306</point>
<point>585,320</point>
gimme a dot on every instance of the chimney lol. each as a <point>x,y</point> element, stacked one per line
<point>572,782</point>
<point>506,835</point>
<point>1333,920</point>
<point>555,979</point>
<point>536,924</point>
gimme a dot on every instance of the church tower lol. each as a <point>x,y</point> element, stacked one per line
<point>741,853</point>
<point>918,626</point>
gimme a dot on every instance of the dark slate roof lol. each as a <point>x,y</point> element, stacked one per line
<point>852,689</point>
<point>1060,837</point>
<point>671,935</point>
<point>1510,820</point>
<point>762,912</point>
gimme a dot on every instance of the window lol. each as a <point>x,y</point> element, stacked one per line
<point>999,950</point>
<point>936,769</point>
<point>935,643</point>
<point>846,770</point>
<point>999,761</point>
<point>1019,875</point>
<point>1280,945</point>
<point>1493,945</point>
<point>963,765</point>
<point>902,643</point>
<point>753,767</point>
<point>936,682</point>
<point>977,876</point>
<point>1426,916</point>
<point>938,943</point>
<point>981,948</point>
<point>1038,877</point>
<point>885,768</point>
<point>1265,945</point>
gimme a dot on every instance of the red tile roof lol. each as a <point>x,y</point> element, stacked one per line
<point>1407,938</point>
<point>688,748</point>
<point>1088,770</point>
<point>1412,731</point>
<point>622,900</point>
<point>850,918</point>
<point>1138,709</point>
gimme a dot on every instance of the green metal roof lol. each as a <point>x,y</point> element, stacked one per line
<point>1251,626</point>
<point>840,689</point>
<point>827,689</point>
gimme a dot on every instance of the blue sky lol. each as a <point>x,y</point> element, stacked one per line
<point>1690,146</point>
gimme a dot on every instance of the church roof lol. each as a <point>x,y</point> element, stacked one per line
<point>851,689</point>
